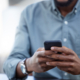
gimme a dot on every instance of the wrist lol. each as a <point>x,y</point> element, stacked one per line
<point>28,65</point>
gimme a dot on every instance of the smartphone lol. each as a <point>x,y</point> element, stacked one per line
<point>49,44</point>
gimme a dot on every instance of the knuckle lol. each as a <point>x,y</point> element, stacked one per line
<point>43,65</point>
<point>57,64</point>
<point>69,69</point>
<point>37,60</point>
<point>70,50</point>
<point>71,64</point>
<point>69,58</point>
<point>44,69</point>
<point>43,48</point>
<point>38,49</point>
<point>52,56</point>
<point>64,47</point>
<point>57,49</point>
<point>38,54</point>
<point>41,69</point>
<point>45,52</point>
<point>62,50</point>
<point>57,56</point>
<point>73,57</point>
<point>66,50</point>
<point>39,66</point>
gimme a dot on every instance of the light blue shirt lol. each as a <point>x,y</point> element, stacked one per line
<point>40,22</point>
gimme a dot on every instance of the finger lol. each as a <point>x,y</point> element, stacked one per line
<point>41,60</point>
<point>63,57</point>
<point>47,57</point>
<point>51,63</point>
<point>62,50</point>
<point>43,65</point>
<point>41,49</point>
<point>49,52</point>
<point>60,64</point>
<point>46,66</point>
<point>41,53</point>
<point>45,53</point>
<point>67,69</point>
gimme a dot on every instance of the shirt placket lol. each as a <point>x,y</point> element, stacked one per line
<point>65,27</point>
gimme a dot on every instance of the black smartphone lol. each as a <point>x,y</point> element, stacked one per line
<point>49,44</point>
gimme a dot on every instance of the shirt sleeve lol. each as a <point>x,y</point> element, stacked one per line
<point>21,48</point>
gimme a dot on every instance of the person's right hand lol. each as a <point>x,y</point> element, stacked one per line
<point>37,62</point>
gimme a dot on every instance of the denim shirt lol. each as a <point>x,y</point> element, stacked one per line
<point>39,22</point>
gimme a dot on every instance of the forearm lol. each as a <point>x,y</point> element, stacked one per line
<point>19,73</point>
<point>28,69</point>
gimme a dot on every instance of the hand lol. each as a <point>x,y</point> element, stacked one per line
<point>67,61</point>
<point>37,62</point>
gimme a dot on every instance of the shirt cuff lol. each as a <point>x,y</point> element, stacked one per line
<point>10,68</point>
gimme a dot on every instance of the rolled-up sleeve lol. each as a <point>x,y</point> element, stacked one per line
<point>21,48</point>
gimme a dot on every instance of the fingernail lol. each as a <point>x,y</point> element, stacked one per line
<point>47,63</point>
<point>52,48</point>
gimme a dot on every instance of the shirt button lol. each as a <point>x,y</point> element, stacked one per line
<point>66,22</point>
<point>75,11</point>
<point>65,74</point>
<point>64,39</point>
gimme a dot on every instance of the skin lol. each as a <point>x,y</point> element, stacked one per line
<point>67,61</point>
<point>65,10</point>
<point>44,60</point>
<point>36,63</point>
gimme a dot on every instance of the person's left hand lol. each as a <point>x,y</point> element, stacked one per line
<point>67,61</point>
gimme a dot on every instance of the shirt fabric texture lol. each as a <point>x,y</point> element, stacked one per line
<point>40,22</point>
